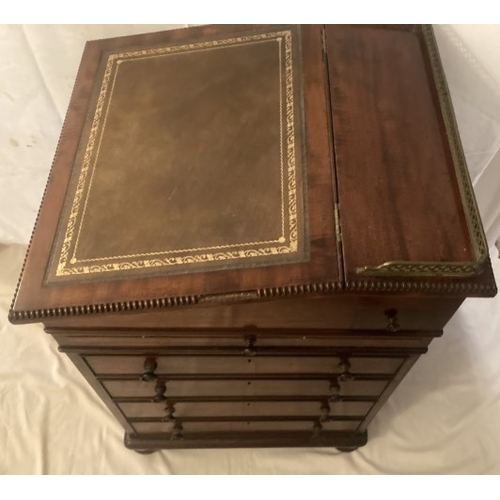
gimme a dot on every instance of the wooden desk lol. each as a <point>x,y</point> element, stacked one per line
<point>251,233</point>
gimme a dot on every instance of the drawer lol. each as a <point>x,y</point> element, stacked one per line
<point>318,388</point>
<point>356,310</point>
<point>141,340</point>
<point>105,365</point>
<point>245,426</point>
<point>240,409</point>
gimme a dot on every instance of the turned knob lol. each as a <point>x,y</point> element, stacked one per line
<point>177,431</point>
<point>392,320</point>
<point>317,428</point>
<point>249,343</point>
<point>150,366</point>
<point>324,412</point>
<point>334,391</point>
<point>346,375</point>
<point>160,389</point>
<point>169,413</point>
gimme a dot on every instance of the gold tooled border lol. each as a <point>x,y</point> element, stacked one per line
<point>66,265</point>
<point>475,228</point>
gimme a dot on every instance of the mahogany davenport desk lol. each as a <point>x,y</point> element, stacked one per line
<point>250,234</point>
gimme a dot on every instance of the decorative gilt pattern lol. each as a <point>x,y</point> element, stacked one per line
<point>400,268</point>
<point>476,233</point>
<point>287,243</point>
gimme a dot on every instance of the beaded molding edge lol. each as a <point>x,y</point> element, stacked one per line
<point>259,294</point>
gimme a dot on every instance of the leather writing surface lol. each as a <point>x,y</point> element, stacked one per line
<point>192,162</point>
<point>120,285</point>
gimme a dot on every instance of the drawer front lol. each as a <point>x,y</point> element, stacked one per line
<point>317,388</point>
<point>360,311</point>
<point>141,340</point>
<point>241,409</point>
<point>245,426</point>
<point>105,365</point>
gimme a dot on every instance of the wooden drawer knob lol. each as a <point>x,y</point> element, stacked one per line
<point>334,391</point>
<point>250,346</point>
<point>177,431</point>
<point>160,389</point>
<point>324,412</point>
<point>169,413</point>
<point>346,375</point>
<point>392,320</point>
<point>150,366</point>
<point>317,428</point>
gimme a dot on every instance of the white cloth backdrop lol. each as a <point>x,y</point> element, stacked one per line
<point>442,419</point>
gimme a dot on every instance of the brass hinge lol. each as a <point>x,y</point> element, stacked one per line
<point>338,229</point>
